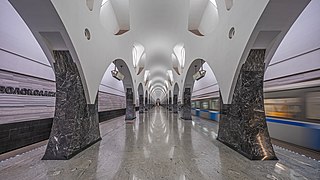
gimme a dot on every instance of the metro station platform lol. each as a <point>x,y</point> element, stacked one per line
<point>159,145</point>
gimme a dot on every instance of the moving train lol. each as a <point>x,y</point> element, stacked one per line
<point>292,111</point>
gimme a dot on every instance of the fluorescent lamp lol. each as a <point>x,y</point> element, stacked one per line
<point>117,74</point>
<point>200,74</point>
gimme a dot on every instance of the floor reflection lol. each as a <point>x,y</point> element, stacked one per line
<point>159,145</point>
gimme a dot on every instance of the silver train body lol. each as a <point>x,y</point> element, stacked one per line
<point>292,109</point>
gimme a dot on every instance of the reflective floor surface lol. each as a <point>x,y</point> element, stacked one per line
<point>159,145</point>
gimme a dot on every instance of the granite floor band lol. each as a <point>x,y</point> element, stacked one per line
<point>159,145</point>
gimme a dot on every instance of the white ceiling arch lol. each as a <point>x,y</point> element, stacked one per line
<point>159,26</point>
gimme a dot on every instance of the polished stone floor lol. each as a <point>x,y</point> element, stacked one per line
<point>159,145</point>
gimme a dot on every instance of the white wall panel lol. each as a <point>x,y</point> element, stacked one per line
<point>303,36</point>
<point>16,37</point>
<point>207,84</point>
<point>15,63</point>
<point>303,63</point>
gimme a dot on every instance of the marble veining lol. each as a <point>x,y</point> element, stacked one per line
<point>159,145</point>
<point>75,123</point>
<point>186,107</point>
<point>243,124</point>
<point>175,104</point>
<point>130,107</point>
<point>141,107</point>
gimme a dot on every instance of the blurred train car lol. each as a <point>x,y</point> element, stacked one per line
<point>292,107</point>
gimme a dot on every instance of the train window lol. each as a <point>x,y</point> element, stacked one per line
<point>198,104</point>
<point>193,104</point>
<point>284,108</point>
<point>205,105</point>
<point>214,104</point>
<point>313,105</point>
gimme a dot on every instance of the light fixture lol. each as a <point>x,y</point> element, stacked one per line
<point>199,74</point>
<point>117,74</point>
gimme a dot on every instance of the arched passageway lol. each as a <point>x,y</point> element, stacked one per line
<point>195,69</point>
<point>128,85</point>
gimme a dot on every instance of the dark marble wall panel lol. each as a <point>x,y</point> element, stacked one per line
<point>75,124</point>
<point>20,134</point>
<point>130,109</point>
<point>175,104</point>
<point>107,115</point>
<point>186,108</point>
<point>242,124</point>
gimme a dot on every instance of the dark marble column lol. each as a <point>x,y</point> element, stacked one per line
<point>75,123</point>
<point>243,124</point>
<point>186,108</point>
<point>130,108</point>
<point>146,104</point>
<point>175,104</point>
<point>141,107</point>
<point>170,103</point>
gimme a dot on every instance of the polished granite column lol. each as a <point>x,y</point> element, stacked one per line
<point>75,123</point>
<point>149,103</point>
<point>186,108</point>
<point>175,104</point>
<point>141,107</point>
<point>146,104</point>
<point>243,124</point>
<point>130,108</point>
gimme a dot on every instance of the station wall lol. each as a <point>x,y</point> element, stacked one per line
<point>298,53</point>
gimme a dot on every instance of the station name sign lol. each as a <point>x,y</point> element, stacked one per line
<point>25,91</point>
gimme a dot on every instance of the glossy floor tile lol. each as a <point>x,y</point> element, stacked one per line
<point>159,145</point>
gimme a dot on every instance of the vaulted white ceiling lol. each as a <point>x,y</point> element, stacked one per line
<point>159,26</point>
